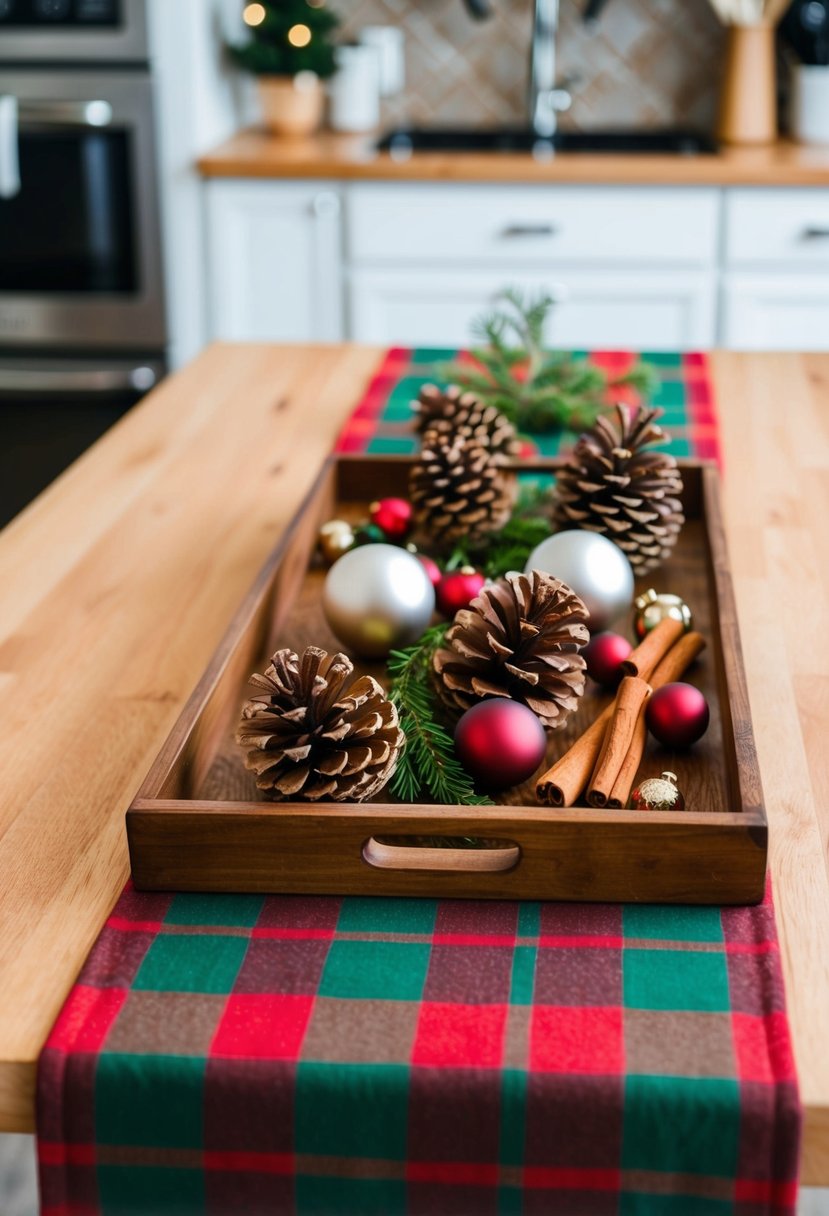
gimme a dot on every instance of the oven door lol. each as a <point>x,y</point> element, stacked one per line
<point>41,31</point>
<point>80,261</point>
<point>52,410</point>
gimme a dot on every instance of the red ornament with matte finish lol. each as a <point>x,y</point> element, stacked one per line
<point>432,569</point>
<point>604,655</point>
<point>500,743</point>
<point>458,589</point>
<point>677,715</point>
<point>393,515</point>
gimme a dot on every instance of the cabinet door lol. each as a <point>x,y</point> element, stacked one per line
<point>274,260</point>
<point>658,310</point>
<point>776,312</point>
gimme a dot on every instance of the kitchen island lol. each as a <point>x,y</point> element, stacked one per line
<point>121,578</point>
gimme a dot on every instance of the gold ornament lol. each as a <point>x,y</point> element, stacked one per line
<point>334,539</point>
<point>650,609</point>
<point>658,794</point>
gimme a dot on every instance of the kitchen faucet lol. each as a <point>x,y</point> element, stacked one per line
<point>545,99</point>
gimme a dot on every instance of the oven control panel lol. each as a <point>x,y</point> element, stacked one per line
<point>34,14</point>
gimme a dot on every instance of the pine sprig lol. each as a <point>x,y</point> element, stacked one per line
<point>509,549</point>
<point>538,390</point>
<point>428,764</point>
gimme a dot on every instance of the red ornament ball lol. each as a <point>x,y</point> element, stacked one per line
<point>604,655</point>
<point>393,515</point>
<point>432,569</point>
<point>458,589</point>
<point>677,715</point>
<point>500,743</point>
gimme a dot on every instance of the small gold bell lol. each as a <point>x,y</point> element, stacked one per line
<point>650,609</point>
<point>334,539</point>
<point>658,794</point>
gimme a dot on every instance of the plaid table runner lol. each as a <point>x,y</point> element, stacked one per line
<point>382,425</point>
<point>242,1054</point>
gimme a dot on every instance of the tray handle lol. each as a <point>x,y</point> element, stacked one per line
<point>385,856</point>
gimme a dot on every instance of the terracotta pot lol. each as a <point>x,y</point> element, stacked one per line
<point>291,105</point>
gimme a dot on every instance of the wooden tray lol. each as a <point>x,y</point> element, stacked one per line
<point>196,823</point>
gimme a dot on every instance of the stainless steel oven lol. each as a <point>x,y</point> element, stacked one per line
<point>42,30</point>
<point>82,324</point>
<point>79,239</point>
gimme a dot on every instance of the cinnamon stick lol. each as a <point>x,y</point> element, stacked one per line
<point>633,692</point>
<point>676,661</point>
<point>643,660</point>
<point>565,780</point>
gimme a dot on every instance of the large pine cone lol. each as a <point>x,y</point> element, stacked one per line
<point>612,485</point>
<point>457,490</point>
<point>316,732</point>
<point>454,412</point>
<point>519,638</point>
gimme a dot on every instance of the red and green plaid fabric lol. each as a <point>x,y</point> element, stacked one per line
<point>266,1055</point>
<point>381,425</point>
<point>241,1054</point>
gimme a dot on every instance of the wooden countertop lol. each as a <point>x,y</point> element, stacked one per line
<point>254,153</point>
<point>120,579</point>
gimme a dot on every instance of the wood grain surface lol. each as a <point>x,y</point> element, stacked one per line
<point>222,835</point>
<point>121,579</point>
<point>254,153</point>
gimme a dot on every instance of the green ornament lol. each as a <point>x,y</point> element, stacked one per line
<point>369,534</point>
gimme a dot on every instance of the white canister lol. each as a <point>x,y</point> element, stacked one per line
<point>810,104</point>
<point>355,89</point>
<point>389,42</point>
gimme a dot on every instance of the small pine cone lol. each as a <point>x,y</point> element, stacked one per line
<point>457,490</point>
<point>613,485</point>
<point>317,732</point>
<point>455,412</point>
<point>519,638</point>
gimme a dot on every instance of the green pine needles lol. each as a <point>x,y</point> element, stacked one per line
<point>538,390</point>
<point>509,549</point>
<point>428,766</point>
<point>294,36</point>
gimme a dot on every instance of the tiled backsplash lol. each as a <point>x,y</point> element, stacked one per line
<point>645,63</point>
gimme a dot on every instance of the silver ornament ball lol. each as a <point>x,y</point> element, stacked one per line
<point>595,568</point>
<point>378,598</point>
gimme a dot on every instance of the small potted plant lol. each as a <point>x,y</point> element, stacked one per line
<point>290,53</point>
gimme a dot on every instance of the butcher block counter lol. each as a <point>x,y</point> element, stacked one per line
<point>120,579</point>
<point>253,153</point>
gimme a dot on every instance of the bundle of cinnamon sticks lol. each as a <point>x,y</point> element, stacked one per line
<point>602,763</point>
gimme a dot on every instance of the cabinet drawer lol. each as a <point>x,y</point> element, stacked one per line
<point>787,226</point>
<point>497,225</point>
<point>776,312</point>
<point>662,310</point>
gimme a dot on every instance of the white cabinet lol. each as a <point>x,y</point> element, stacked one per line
<point>629,266</point>
<point>775,289</point>
<point>775,312</point>
<point>511,225</point>
<point>638,267</point>
<point>274,261</point>
<point>647,310</point>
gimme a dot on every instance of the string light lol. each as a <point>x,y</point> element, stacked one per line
<point>299,35</point>
<point>253,14</point>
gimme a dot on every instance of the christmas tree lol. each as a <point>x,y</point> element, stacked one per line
<point>287,37</point>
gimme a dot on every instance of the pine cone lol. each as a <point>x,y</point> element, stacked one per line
<point>455,412</point>
<point>519,638</point>
<point>457,490</point>
<point>317,732</point>
<point>612,485</point>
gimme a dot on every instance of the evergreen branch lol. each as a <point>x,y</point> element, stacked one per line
<point>538,390</point>
<point>428,763</point>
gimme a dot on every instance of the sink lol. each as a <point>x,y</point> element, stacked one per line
<point>404,140</point>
